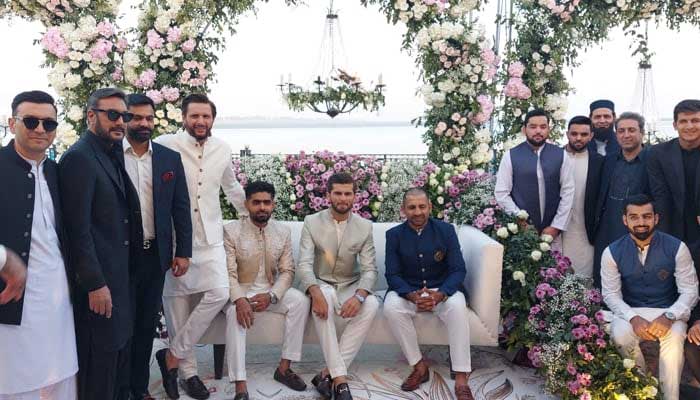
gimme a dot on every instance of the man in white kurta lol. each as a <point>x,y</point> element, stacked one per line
<point>191,301</point>
<point>38,357</point>
<point>576,243</point>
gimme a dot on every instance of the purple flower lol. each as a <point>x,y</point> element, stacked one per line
<point>573,387</point>
<point>584,379</point>
<point>570,368</point>
<point>601,343</point>
<point>488,212</point>
<point>581,348</point>
<point>578,333</point>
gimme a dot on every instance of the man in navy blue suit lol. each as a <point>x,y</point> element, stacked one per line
<point>425,272</point>
<point>159,178</point>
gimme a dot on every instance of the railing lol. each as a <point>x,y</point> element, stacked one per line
<point>421,158</point>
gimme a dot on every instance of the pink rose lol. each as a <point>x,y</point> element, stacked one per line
<point>105,29</point>
<point>154,40</point>
<point>188,45</point>
<point>516,70</point>
<point>174,34</point>
<point>155,95</point>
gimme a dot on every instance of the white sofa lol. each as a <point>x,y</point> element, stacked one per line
<point>483,256</point>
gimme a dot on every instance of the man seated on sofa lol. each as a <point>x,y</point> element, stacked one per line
<point>650,285</point>
<point>337,269</point>
<point>425,271</point>
<point>261,271</point>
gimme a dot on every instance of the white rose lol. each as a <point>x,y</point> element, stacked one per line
<point>448,184</point>
<point>384,176</point>
<point>513,228</point>
<point>160,114</point>
<point>547,238</point>
<point>440,190</point>
<point>447,157</point>
<point>292,197</point>
<point>519,276</point>
<point>548,69</point>
<point>546,48</point>
<point>75,113</point>
<point>502,233</point>
<point>522,214</point>
<point>650,391</point>
<point>78,45</point>
<point>628,363</point>
<point>536,56</point>
<point>289,181</point>
<point>544,246</point>
<point>536,255</point>
<point>440,200</point>
<point>456,151</point>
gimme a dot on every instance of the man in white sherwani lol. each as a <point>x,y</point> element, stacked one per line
<point>337,269</point>
<point>191,301</point>
<point>38,354</point>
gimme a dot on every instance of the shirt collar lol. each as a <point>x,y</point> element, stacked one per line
<point>33,163</point>
<point>129,149</point>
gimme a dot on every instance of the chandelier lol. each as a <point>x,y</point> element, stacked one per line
<point>334,91</point>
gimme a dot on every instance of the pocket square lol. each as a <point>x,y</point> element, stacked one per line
<point>168,176</point>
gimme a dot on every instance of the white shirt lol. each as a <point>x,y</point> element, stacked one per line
<point>340,229</point>
<point>3,257</point>
<point>575,240</point>
<point>504,186</point>
<point>686,281</point>
<point>42,350</point>
<point>600,146</point>
<point>140,170</point>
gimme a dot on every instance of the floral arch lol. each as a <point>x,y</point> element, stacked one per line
<point>475,102</point>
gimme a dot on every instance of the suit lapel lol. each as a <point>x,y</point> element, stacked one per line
<point>157,173</point>
<point>331,238</point>
<point>678,175</point>
<point>108,166</point>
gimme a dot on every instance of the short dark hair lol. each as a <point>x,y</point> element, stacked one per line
<point>415,191</point>
<point>628,115</point>
<point>579,120</point>
<point>32,96</point>
<point>638,200</point>
<point>258,187</point>
<point>139,99</point>
<point>197,98</point>
<point>537,112</point>
<point>341,178</point>
<point>104,93</point>
<point>686,106</point>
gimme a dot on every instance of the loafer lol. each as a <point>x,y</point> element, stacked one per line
<point>194,387</point>
<point>241,396</point>
<point>463,393</point>
<point>414,380</point>
<point>342,392</point>
<point>290,379</point>
<point>323,385</point>
<point>169,376</point>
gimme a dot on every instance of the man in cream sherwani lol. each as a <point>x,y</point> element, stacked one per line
<point>337,269</point>
<point>261,271</point>
<point>191,301</point>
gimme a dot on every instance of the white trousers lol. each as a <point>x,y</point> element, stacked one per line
<point>670,348</point>
<point>339,355</point>
<point>452,312</point>
<point>294,305</point>
<point>63,390</point>
<point>187,318</point>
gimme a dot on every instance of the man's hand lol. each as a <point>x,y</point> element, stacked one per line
<point>641,328</point>
<point>244,313</point>
<point>14,274</point>
<point>660,326</point>
<point>438,296</point>
<point>319,305</point>
<point>694,334</point>
<point>260,302</point>
<point>425,300</point>
<point>413,296</point>
<point>350,308</point>
<point>180,265</point>
<point>101,301</point>
<point>553,232</point>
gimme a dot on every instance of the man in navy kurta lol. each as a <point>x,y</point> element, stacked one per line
<point>425,272</point>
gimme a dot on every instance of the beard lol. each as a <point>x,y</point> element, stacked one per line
<point>341,208</point>
<point>535,143</point>
<point>603,134</point>
<point>107,134</point>
<point>577,147</point>
<point>643,235</point>
<point>261,217</point>
<point>191,131</point>
<point>140,135</point>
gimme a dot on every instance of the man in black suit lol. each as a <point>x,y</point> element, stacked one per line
<point>103,224</point>
<point>603,122</point>
<point>159,178</point>
<point>578,239</point>
<point>38,357</point>
<point>624,174</point>
<point>674,178</point>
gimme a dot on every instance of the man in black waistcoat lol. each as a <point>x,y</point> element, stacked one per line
<point>103,224</point>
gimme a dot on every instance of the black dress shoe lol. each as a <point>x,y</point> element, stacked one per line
<point>194,387</point>
<point>290,379</point>
<point>342,392</point>
<point>169,376</point>
<point>241,396</point>
<point>323,385</point>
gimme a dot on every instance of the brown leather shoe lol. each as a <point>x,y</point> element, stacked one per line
<point>414,380</point>
<point>463,393</point>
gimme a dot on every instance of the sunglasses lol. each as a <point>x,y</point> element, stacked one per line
<point>31,123</point>
<point>114,115</point>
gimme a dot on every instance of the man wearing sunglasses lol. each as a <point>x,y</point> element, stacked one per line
<point>191,301</point>
<point>103,224</point>
<point>159,178</point>
<point>38,357</point>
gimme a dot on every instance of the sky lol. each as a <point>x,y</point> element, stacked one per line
<point>282,40</point>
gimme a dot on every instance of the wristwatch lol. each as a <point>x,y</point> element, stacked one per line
<point>359,298</point>
<point>670,316</point>
<point>273,297</point>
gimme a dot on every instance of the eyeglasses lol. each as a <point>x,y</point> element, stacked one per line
<point>31,123</point>
<point>114,115</point>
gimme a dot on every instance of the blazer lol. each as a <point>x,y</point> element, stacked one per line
<point>17,213</point>
<point>103,226</point>
<point>247,245</point>
<point>323,259</point>
<point>171,205</point>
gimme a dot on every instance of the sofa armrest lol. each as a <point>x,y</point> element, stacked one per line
<point>484,259</point>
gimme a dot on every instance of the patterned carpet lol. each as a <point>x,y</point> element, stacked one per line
<point>376,374</point>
